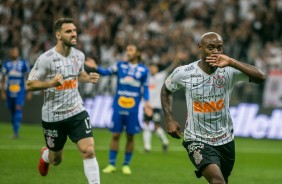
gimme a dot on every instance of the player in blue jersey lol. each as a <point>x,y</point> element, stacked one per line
<point>132,84</point>
<point>14,72</point>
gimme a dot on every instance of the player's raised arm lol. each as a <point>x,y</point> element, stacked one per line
<point>221,60</point>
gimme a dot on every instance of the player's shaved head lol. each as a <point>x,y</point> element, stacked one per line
<point>210,37</point>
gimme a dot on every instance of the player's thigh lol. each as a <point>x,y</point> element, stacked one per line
<point>55,135</point>
<point>79,127</point>
<point>213,174</point>
<point>10,102</point>
<point>20,99</point>
<point>227,158</point>
<point>201,155</point>
<point>132,123</point>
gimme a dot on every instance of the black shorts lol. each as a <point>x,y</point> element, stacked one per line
<point>156,116</point>
<point>202,154</point>
<point>76,128</point>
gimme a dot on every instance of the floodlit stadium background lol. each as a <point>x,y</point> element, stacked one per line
<point>252,32</point>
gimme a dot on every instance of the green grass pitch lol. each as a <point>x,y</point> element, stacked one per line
<point>257,161</point>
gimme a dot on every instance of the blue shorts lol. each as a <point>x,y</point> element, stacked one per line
<point>125,120</point>
<point>11,102</point>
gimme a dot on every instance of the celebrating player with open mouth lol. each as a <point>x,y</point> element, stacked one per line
<point>58,72</point>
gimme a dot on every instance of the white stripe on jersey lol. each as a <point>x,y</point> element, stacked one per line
<point>64,101</point>
<point>207,99</point>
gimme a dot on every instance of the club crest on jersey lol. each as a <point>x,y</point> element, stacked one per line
<point>219,80</point>
<point>198,157</point>
<point>75,63</point>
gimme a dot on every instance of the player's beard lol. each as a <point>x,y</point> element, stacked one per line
<point>69,43</point>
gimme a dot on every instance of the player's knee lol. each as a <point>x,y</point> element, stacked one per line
<point>116,137</point>
<point>130,138</point>
<point>88,152</point>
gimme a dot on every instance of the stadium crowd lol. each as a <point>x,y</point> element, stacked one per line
<point>161,28</point>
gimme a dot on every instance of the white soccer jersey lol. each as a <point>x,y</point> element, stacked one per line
<point>63,101</point>
<point>207,98</point>
<point>155,85</point>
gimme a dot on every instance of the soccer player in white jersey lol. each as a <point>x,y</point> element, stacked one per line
<point>156,80</point>
<point>208,83</point>
<point>58,72</point>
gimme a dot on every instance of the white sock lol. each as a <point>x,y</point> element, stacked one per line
<point>147,136</point>
<point>160,132</point>
<point>45,155</point>
<point>91,170</point>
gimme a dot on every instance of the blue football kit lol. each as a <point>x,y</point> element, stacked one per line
<point>14,73</point>
<point>132,85</point>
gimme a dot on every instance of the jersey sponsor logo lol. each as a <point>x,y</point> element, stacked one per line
<point>174,72</point>
<point>215,139</point>
<point>49,53</point>
<point>127,93</point>
<point>50,133</point>
<point>207,107</point>
<point>14,88</point>
<point>194,146</point>
<point>68,84</point>
<point>196,75</point>
<point>199,97</point>
<point>189,68</point>
<point>58,113</point>
<point>15,73</point>
<point>126,102</point>
<point>130,81</point>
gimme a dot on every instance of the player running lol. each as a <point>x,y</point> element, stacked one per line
<point>58,72</point>
<point>208,83</point>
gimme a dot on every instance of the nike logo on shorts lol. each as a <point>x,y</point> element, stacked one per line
<point>87,131</point>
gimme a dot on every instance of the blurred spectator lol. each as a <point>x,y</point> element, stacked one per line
<point>161,28</point>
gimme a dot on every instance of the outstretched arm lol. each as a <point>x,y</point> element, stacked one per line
<point>220,60</point>
<point>91,77</point>
<point>172,127</point>
<point>90,65</point>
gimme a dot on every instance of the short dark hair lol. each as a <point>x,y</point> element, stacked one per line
<point>58,23</point>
